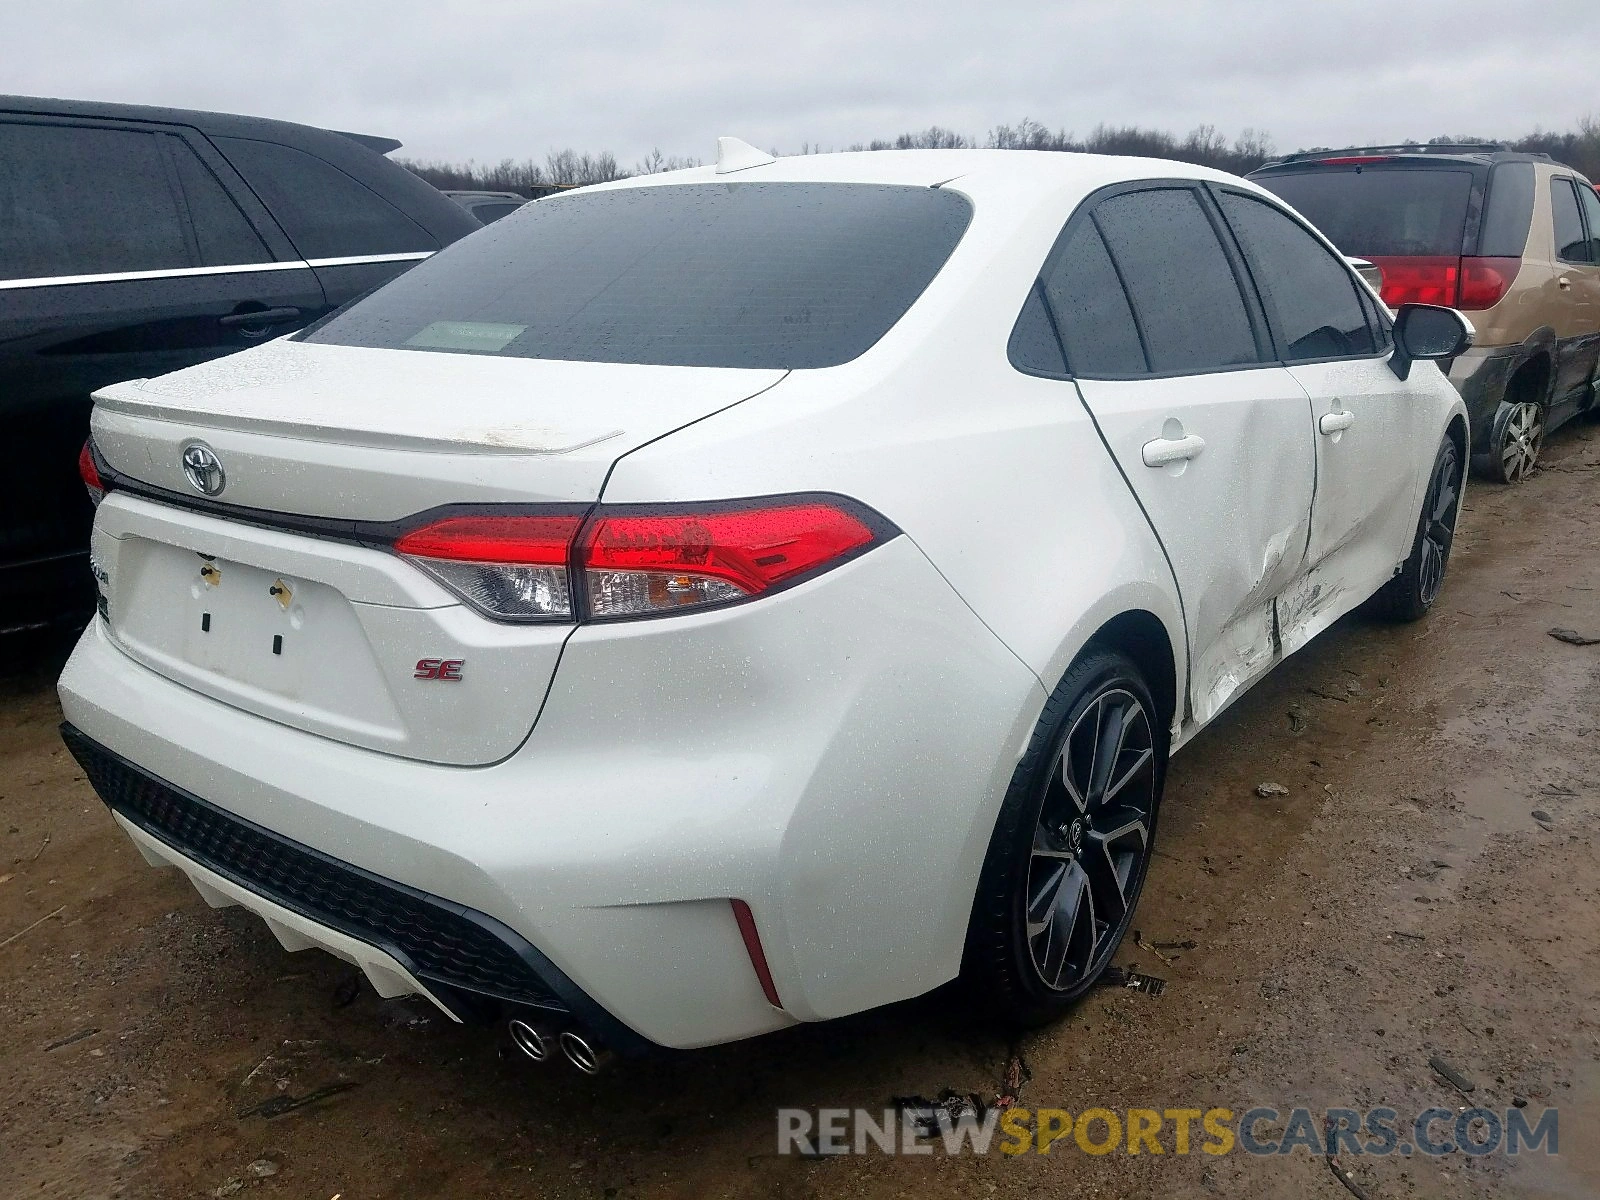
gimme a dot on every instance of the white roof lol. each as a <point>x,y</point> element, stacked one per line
<point>978,171</point>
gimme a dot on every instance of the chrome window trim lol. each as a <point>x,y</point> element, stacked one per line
<point>231,269</point>
<point>360,259</point>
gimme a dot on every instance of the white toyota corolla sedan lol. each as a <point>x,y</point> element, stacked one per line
<point>751,594</point>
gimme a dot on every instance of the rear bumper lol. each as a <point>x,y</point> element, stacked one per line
<point>834,756</point>
<point>405,941</point>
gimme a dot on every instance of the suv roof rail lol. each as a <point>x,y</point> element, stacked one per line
<point>1401,148</point>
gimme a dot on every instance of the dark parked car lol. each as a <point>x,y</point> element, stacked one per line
<point>488,206</point>
<point>134,241</point>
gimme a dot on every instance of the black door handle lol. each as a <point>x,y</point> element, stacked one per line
<point>262,316</point>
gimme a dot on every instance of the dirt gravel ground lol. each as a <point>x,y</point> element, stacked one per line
<point>1400,902</point>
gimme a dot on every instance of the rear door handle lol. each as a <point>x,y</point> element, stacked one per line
<point>1563,283</point>
<point>1165,451</point>
<point>1336,422</point>
<point>264,316</point>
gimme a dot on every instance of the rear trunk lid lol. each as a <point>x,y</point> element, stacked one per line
<point>303,624</point>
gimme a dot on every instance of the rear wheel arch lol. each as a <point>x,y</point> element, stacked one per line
<point>1123,660</point>
<point>1456,431</point>
<point>1531,379</point>
<point>1141,635</point>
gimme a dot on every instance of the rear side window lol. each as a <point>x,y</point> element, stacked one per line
<point>1508,211</point>
<point>80,200</point>
<point>702,275</point>
<point>1183,289</point>
<point>222,235</point>
<point>326,213</point>
<point>1309,293</point>
<point>1372,211</point>
<point>1571,246</point>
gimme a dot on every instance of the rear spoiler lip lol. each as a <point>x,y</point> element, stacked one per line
<point>371,141</point>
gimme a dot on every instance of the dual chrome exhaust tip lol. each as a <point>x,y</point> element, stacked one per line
<point>540,1045</point>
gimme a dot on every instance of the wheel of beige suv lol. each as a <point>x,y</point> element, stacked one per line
<point>1514,440</point>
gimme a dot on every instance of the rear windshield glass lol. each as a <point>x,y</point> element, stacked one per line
<point>1376,211</point>
<point>703,275</point>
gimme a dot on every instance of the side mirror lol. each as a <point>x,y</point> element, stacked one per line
<point>1428,332</point>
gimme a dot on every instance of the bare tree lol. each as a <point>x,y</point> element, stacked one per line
<point>1203,144</point>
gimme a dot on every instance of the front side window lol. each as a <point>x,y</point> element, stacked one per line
<point>84,200</point>
<point>1183,289</point>
<point>1571,246</point>
<point>1310,295</point>
<point>1591,215</point>
<point>788,275</point>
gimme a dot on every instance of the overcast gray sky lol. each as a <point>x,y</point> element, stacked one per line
<point>460,79</point>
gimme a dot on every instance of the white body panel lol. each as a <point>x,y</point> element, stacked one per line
<point>1374,442</point>
<point>834,754</point>
<point>1233,518</point>
<point>823,754</point>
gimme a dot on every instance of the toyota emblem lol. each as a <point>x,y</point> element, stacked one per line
<point>203,469</point>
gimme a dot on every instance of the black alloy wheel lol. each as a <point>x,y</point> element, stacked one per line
<point>1411,593</point>
<point>1092,841</point>
<point>1071,844</point>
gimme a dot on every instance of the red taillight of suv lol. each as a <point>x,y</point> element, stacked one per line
<point>90,474</point>
<point>1468,283</point>
<point>636,561</point>
<point>1419,279</point>
<point>1485,281</point>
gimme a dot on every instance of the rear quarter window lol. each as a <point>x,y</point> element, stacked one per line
<point>788,275</point>
<point>1375,211</point>
<point>1086,296</point>
<point>1508,212</point>
<point>325,212</point>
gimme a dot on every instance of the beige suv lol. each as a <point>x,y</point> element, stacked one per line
<point>1513,240</point>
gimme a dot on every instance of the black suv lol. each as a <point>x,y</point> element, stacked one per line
<point>134,241</point>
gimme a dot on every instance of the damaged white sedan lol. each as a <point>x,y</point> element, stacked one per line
<point>751,594</point>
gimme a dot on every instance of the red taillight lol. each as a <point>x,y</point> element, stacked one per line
<point>1351,160</point>
<point>1471,283</point>
<point>636,561</point>
<point>510,566</point>
<point>90,474</point>
<point>1419,280</point>
<point>1485,281</point>
<point>533,539</point>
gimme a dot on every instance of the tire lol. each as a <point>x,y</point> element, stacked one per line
<point>1515,438</point>
<point>1411,593</point>
<point>1064,858</point>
